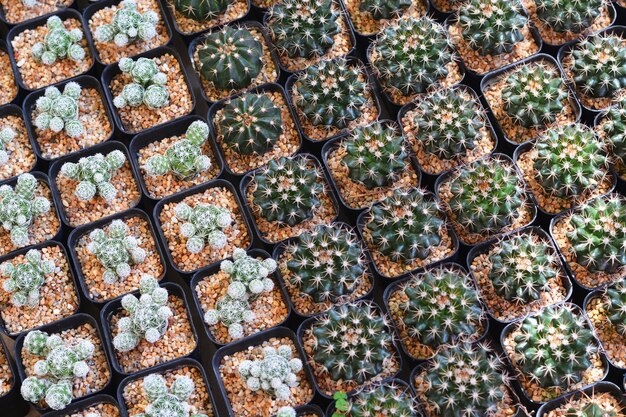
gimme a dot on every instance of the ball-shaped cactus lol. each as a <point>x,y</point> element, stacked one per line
<point>384,9</point>
<point>148,85</point>
<point>58,111</point>
<point>94,175</point>
<point>59,43</point>
<point>275,374</point>
<point>203,224</point>
<point>128,25</point>
<point>571,16</point>
<point>615,306</point>
<point>201,10</point>
<point>24,280</point>
<point>164,402</point>
<point>613,128</point>
<point>387,399</point>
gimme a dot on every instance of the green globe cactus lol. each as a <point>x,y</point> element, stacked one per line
<point>184,158</point>
<point>230,58</point>
<point>383,9</point>
<point>148,85</point>
<point>25,279</point>
<point>331,93</point>
<point>287,190</point>
<point>564,16</point>
<point>492,27</point>
<point>613,127</point>
<point>203,224</point>
<point>164,402</point>
<point>615,306</point>
<point>7,134</point>
<point>534,95</point>
<point>128,25</point>
<point>202,10</point>
<point>59,43</point>
<point>387,399</point>
<point>275,374</point>
<point>94,174</point>
<point>303,28</point>
<point>250,124</point>
<point>57,112</point>
<point>19,207</point>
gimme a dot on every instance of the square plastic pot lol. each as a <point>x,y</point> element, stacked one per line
<point>13,110</point>
<point>597,388</point>
<point>82,405</point>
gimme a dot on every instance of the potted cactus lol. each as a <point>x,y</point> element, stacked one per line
<point>610,126</point>
<point>600,399</point>
<point>99,405</point>
<point>384,399</point>
<point>591,239</point>
<point>605,310</point>
<point>323,267</point>
<point>233,59</point>
<point>50,50</point>
<point>16,149</point>
<point>193,16</point>
<point>369,164</point>
<point>8,85</point>
<point>369,17</point>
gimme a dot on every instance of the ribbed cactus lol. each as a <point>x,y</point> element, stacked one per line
<point>554,347</point>
<point>24,280</point>
<point>54,375</point>
<point>326,263</point>
<point>128,25</point>
<point>303,28</point>
<point>19,207</point>
<point>375,155</point>
<point>331,93</point>
<point>351,342</point>
<point>203,224</point>
<point>59,43</point>
<point>615,306</point>
<point>184,158</point>
<point>384,9</point>
<point>230,58</point>
<point>148,85</point>
<point>287,190</point>
<point>383,400</point>
<point>57,112</point>
<point>613,126</point>
<point>599,65</point>
<point>94,174</point>
<point>418,61</point>
<point>534,95</point>
<point>592,409</point>
<point>405,226</point>
<point>492,27</point>
<point>147,317</point>
<point>164,402</point>
<point>250,124</point>
<point>201,10</point>
<point>598,234</point>
<point>275,374</point>
<point>7,134</point>
<point>569,15</point>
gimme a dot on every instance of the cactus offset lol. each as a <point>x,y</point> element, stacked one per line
<point>203,224</point>
<point>59,43</point>
<point>275,373</point>
<point>148,85</point>
<point>384,9</point>
<point>164,402</point>
<point>383,400</point>
<point>7,135</point>
<point>57,112</point>
<point>26,278</point>
<point>128,25</point>
<point>572,16</point>
<point>94,175</point>
<point>202,10</point>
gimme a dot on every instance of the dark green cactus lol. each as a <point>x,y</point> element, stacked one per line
<point>384,9</point>
<point>572,16</point>
<point>613,126</point>
<point>591,409</point>
<point>201,10</point>
<point>615,306</point>
<point>383,400</point>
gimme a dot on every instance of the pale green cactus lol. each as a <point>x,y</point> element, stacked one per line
<point>58,111</point>
<point>25,279</point>
<point>7,134</point>
<point>148,86</point>
<point>94,174</point>
<point>203,224</point>
<point>168,403</point>
<point>275,374</point>
<point>128,25</point>
<point>59,43</point>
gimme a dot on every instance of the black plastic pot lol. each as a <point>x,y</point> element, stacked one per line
<point>255,340</point>
<point>400,383</point>
<point>57,327</point>
<point>425,4</point>
<point>588,299</point>
<point>12,402</point>
<point>598,387</point>
<point>112,70</point>
<point>41,21</point>
<point>16,99</point>
<point>9,24</point>
<point>55,170</point>
<point>31,100</point>
<point>310,409</point>
<point>13,110</point>
<point>175,128</point>
<point>82,405</point>
<point>597,122</point>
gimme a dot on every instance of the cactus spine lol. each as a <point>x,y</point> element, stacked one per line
<point>26,278</point>
<point>164,402</point>
<point>94,175</point>
<point>203,224</point>
<point>57,112</point>
<point>59,43</point>
<point>148,85</point>
<point>128,25</point>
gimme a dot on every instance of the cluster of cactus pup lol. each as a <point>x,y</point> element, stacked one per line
<point>94,174</point>
<point>164,402</point>
<point>24,280</point>
<point>203,224</point>
<point>58,111</point>
<point>128,25</point>
<point>59,43</point>
<point>7,134</point>
<point>148,85</point>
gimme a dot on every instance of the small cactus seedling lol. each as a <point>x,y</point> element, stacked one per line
<point>115,250</point>
<point>613,126</point>
<point>19,207</point>
<point>287,191</point>
<point>94,174</point>
<point>148,85</point>
<point>615,306</point>
<point>148,316</point>
<point>382,400</point>
<point>383,9</point>
<point>201,10</point>
<point>303,28</point>
<point>375,155</point>
<point>25,279</point>
<point>184,158</point>
<point>275,374</point>
<point>7,134</point>
<point>58,111</point>
<point>128,25</point>
<point>250,124</point>
<point>203,224</point>
<point>59,43</point>
<point>230,58</point>
<point>54,375</point>
<point>331,93</point>
<point>569,16</point>
<point>164,402</point>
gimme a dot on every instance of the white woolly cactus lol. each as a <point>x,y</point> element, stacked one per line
<point>94,174</point>
<point>274,374</point>
<point>115,250</point>
<point>204,223</point>
<point>26,278</point>
<point>59,43</point>
<point>7,134</point>
<point>148,86</point>
<point>128,25</point>
<point>148,316</point>
<point>168,403</point>
<point>286,411</point>
<point>57,112</point>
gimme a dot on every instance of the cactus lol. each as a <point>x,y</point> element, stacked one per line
<point>7,134</point>
<point>184,158</point>
<point>569,16</point>
<point>554,347</point>
<point>615,306</point>
<point>230,58</point>
<point>275,373</point>
<point>331,93</point>
<point>418,61</point>
<point>59,43</point>
<point>57,112</point>
<point>571,161</point>
<point>375,156</point>
<point>63,361</point>
<point>591,409</point>
<point>128,25</point>
<point>168,403</point>
<point>148,85</point>
<point>492,27</point>
<point>405,226</point>
<point>25,279</point>
<point>201,10</point>
<point>287,411</point>
<point>613,127</point>
<point>287,190</point>
<point>303,28</point>
<point>351,342</point>
<point>94,174</point>
<point>598,234</point>
<point>148,316</point>
<point>383,9</point>
<point>19,207</point>
<point>383,400</point>
<point>534,95</point>
<point>203,224</point>
<point>598,65</point>
<point>232,312</point>
<point>250,124</point>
